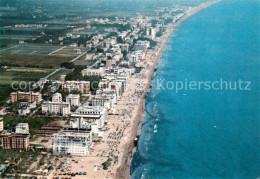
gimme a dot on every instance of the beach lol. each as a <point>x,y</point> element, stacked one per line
<point>198,133</point>
<point>125,125</point>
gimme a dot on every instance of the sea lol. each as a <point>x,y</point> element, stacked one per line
<point>211,131</point>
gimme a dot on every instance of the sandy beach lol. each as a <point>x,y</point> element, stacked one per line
<point>124,126</point>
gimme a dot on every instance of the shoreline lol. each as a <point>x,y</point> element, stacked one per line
<point>123,127</point>
<point>123,171</point>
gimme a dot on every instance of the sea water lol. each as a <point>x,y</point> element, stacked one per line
<point>205,133</point>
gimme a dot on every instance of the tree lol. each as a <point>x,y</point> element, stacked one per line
<point>68,65</point>
<point>154,22</point>
<point>107,164</point>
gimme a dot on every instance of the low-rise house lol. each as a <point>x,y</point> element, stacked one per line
<point>25,107</point>
<point>22,128</point>
<point>77,51</point>
<point>122,34</point>
<point>75,36</point>
<point>49,129</point>
<point>90,56</point>
<point>2,110</point>
<point>62,78</point>
<point>74,45</point>
<point>88,45</point>
<point>69,35</point>
<point>95,40</point>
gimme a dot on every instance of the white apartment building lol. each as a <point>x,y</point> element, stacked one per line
<point>90,115</point>
<point>124,47</point>
<point>142,45</point>
<point>125,71</point>
<point>72,142</point>
<point>107,92</point>
<point>56,106</point>
<point>79,86</point>
<point>104,101</point>
<point>117,81</point>
<point>22,128</point>
<point>73,99</point>
<point>112,85</point>
<point>106,98</point>
<point>93,72</point>
<point>153,33</point>
<point>136,56</point>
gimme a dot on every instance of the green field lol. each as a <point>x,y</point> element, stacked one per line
<point>33,60</point>
<point>57,75</point>
<point>29,49</point>
<point>7,77</point>
<point>84,62</point>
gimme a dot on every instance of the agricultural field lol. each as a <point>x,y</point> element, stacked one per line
<point>24,69</point>
<point>16,37</point>
<point>6,77</point>
<point>69,51</point>
<point>29,49</point>
<point>57,75</point>
<point>84,62</point>
<point>38,50</point>
<point>33,60</point>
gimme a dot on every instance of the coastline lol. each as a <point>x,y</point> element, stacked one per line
<point>125,126</point>
<point>123,171</point>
